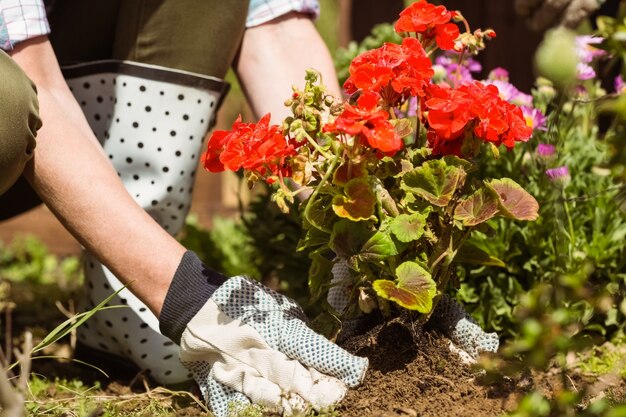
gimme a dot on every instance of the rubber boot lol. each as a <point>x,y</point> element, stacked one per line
<point>151,122</point>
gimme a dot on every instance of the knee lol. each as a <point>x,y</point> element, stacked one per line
<point>19,121</point>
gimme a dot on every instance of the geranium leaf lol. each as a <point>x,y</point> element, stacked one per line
<point>408,227</point>
<point>454,160</point>
<point>348,171</point>
<point>348,238</point>
<point>378,247</point>
<point>320,215</point>
<point>515,202</point>
<point>435,181</point>
<point>319,273</point>
<point>479,207</point>
<point>358,201</point>
<point>414,288</point>
<point>471,254</point>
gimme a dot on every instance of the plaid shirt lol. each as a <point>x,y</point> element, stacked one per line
<point>25,19</point>
<point>261,11</point>
<point>20,20</point>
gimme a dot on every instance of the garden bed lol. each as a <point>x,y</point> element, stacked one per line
<point>412,372</point>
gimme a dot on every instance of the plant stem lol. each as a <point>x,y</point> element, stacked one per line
<point>570,225</point>
<point>316,146</point>
<point>309,204</point>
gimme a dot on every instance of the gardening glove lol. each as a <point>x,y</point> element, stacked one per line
<point>245,343</point>
<point>468,339</point>
<point>543,14</point>
<point>452,319</point>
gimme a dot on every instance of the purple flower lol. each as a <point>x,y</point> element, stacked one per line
<point>586,54</point>
<point>455,73</point>
<point>534,118</point>
<point>584,71</point>
<point>545,150</point>
<point>499,73</point>
<point>510,93</point>
<point>559,175</point>
<point>409,109</point>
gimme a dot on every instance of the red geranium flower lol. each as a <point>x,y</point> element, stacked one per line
<point>368,123</point>
<point>393,71</point>
<point>432,22</point>
<point>448,111</point>
<point>476,107</point>
<point>259,148</point>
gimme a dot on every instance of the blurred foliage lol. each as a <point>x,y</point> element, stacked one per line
<point>577,245</point>
<point>613,30</point>
<point>27,259</point>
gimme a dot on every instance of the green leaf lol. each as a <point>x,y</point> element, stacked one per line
<point>314,237</point>
<point>515,202</point>
<point>435,181</point>
<point>414,288</point>
<point>408,227</point>
<point>321,216</point>
<point>359,201</point>
<point>477,208</point>
<point>348,237</point>
<point>378,247</point>
<point>471,254</point>
<point>319,273</point>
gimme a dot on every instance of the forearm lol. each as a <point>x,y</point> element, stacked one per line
<point>75,180</point>
<point>275,55</point>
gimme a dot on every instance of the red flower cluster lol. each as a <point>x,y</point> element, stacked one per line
<point>259,148</point>
<point>472,107</point>
<point>405,68</point>
<point>431,22</point>
<point>368,123</point>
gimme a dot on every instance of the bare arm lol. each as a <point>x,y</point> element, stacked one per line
<point>75,180</point>
<point>275,55</point>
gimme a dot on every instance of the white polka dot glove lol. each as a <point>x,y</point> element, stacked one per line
<point>449,316</point>
<point>463,331</point>
<point>248,344</point>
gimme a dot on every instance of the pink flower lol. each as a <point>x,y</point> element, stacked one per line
<point>456,73</point>
<point>559,175</point>
<point>499,73</point>
<point>586,54</point>
<point>534,118</point>
<point>510,93</point>
<point>545,150</point>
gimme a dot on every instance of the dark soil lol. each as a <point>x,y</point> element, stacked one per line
<point>412,373</point>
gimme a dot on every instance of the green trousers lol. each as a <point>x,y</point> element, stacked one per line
<point>200,36</point>
<point>19,121</point>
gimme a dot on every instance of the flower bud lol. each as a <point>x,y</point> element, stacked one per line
<point>559,176</point>
<point>556,57</point>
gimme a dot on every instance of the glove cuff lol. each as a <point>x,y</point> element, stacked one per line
<point>193,284</point>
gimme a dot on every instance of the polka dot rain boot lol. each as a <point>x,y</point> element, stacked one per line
<point>151,122</point>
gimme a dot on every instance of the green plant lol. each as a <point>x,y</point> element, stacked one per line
<point>577,242</point>
<point>390,174</point>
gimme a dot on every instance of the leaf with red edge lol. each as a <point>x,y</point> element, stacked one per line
<point>479,207</point>
<point>358,201</point>
<point>348,171</point>
<point>515,202</point>
<point>414,288</point>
